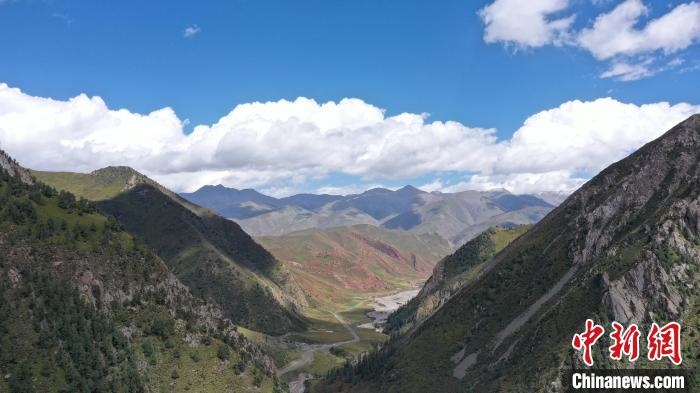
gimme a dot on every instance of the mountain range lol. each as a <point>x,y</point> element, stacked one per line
<point>457,217</point>
<point>341,248</point>
<point>625,247</point>
<point>87,306</point>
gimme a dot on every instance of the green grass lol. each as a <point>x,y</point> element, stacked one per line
<point>328,336</point>
<point>502,237</point>
<point>353,303</point>
<point>280,349</point>
<point>198,368</point>
<point>356,316</point>
<point>322,363</point>
<point>369,339</point>
<point>89,186</point>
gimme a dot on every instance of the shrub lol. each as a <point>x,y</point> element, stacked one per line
<point>223,353</point>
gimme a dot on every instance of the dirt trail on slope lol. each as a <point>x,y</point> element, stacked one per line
<point>307,356</point>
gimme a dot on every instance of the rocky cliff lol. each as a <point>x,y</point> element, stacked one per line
<point>624,247</point>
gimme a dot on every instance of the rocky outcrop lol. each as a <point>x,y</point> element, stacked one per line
<point>8,164</point>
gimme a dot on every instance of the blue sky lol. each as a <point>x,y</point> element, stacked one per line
<point>401,56</point>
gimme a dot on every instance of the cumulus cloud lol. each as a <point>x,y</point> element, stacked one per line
<point>585,137</point>
<point>519,183</point>
<point>615,33</point>
<point>282,146</point>
<point>524,183</point>
<point>191,31</point>
<point>620,35</point>
<point>525,23</point>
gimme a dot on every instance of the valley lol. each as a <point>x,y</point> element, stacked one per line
<point>356,308</point>
<point>316,298</point>
<point>624,247</point>
<point>324,282</point>
<point>332,339</point>
<point>492,196</point>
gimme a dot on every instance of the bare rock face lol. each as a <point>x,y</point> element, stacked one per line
<point>631,297</point>
<point>10,165</point>
<point>692,215</point>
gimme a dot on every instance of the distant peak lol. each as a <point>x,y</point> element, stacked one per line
<point>213,187</point>
<point>116,170</point>
<point>377,190</point>
<point>410,188</point>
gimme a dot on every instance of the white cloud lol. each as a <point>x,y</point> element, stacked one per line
<point>614,36</point>
<point>435,185</point>
<point>526,183</point>
<point>586,136</point>
<point>525,23</point>
<point>283,144</point>
<point>629,72</point>
<point>191,31</point>
<point>615,33</point>
<point>518,183</point>
<point>676,62</point>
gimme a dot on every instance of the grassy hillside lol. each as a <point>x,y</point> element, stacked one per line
<point>95,186</point>
<point>211,255</point>
<point>87,307</point>
<point>337,265</point>
<point>451,274</point>
<point>624,247</point>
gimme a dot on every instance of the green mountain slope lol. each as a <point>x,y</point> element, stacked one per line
<point>624,247</point>
<point>451,274</point>
<point>87,307</point>
<point>338,264</point>
<point>96,186</point>
<point>211,255</point>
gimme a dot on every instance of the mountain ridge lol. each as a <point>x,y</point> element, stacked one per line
<point>450,274</point>
<point>457,217</point>
<point>87,307</point>
<point>623,247</point>
<point>213,256</point>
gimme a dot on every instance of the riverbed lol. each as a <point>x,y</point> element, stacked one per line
<point>385,305</point>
